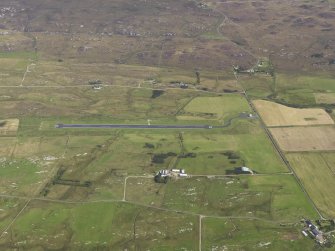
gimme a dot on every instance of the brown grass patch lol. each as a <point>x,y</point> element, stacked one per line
<point>9,126</point>
<point>305,138</point>
<point>274,114</point>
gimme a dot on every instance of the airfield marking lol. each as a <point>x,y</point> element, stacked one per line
<point>24,75</point>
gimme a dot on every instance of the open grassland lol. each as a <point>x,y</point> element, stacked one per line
<point>21,176</point>
<point>295,139</point>
<point>81,227</point>
<point>257,86</point>
<point>316,172</point>
<point>219,108</point>
<point>244,234</point>
<point>208,163</point>
<point>46,73</point>
<point>304,90</point>
<point>274,114</point>
<point>9,208</point>
<point>276,198</point>
<point>316,84</point>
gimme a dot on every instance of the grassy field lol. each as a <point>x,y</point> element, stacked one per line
<point>257,86</point>
<point>21,176</point>
<point>316,172</point>
<point>81,227</point>
<point>246,139</point>
<point>220,108</point>
<point>276,198</point>
<point>314,83</point>
<point>9,208</point>
<point>247,234</point>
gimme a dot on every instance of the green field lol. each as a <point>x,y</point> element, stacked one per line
<point>276,198</point>
<point>246,139</point>
<point>245,234</point>
<point>220,108</point>
<point>81,227</point>
<point>21,176</point>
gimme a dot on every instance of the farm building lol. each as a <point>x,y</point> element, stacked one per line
<point>162,176</point>
<point>243,170</point>
<point>315,232</point>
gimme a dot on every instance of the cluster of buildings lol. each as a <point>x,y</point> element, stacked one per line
<point>172,173</point>
<point>164,174</point>
<point>314,232</point>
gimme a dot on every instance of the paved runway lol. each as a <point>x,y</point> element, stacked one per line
<point>127,126</point>
<point>121,126</point>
